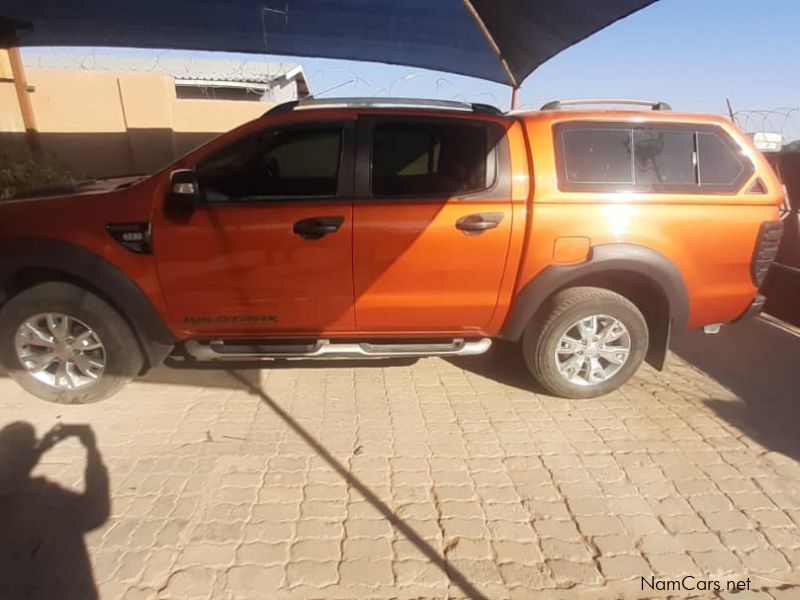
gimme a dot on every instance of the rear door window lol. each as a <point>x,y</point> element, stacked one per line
<point>433,159</point>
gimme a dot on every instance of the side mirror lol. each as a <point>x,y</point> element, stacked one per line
<point>184,194</point>
<point>184,185</point>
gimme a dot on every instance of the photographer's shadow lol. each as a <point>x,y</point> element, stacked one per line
<point>42,550</point>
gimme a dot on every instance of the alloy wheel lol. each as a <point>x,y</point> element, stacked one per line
<point>60,351</point>
<point>592,350</point>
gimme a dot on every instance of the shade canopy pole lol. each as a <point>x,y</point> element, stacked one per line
<point>8,42</point>
<point>515,97</point>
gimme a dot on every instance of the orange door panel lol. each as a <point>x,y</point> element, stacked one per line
<point>269,249</point>
<point>432,224</point>
<point>415,271</point>
<point>236,270</point>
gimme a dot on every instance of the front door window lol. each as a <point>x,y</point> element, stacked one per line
<point>274,164</point>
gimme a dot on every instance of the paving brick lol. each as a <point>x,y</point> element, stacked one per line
<point>217,531</point>
<point>322,550</point>
<point>685,524</point>
<point>367,549</point>
<point>369,528</point>
<point>520,553</point>
<point>313,574</point>
<point>562,530</point>
<point>764,560</point>
<point>707,503</point>
<point>319,529</point>
<point>728,520</point>
<point>268,532</point>
<point>368,573</point>
<point>571,551</point>
<point>660,543</point>
<point>569,573</point>
<point>716,562</point>
<point>418,572</point>
<point>623,567</point>
<point>771,518</point>
<point>526,577</point>
<point>672,564</point>
<point>629,506</point>
<point>193,582</point>
<point>588,506</point>
<point>263,553</point>
<point>743,540</point>
<point>471,528</point>
<point>611,545</point>
<point>601,525</point>
<point>253,581</point>
<point>471,549</point>
<point>698,542</point>
<point>207,554</point>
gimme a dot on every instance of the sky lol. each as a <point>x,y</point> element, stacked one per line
<point>692,54</point>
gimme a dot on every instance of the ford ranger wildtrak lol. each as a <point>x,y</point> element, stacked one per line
<point>383,228</point>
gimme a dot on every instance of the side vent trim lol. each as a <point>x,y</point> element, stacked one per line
<point>135,237</point>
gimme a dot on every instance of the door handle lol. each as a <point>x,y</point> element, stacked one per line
<point>315,228</point>
<point>477,223</point>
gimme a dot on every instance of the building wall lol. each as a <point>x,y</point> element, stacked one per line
<point>100,123</point>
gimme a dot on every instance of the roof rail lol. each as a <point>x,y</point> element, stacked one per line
<point>377,102</point>
<point>558,104</point>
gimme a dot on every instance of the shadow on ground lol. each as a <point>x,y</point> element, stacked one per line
<point>503,363</point>
<point>759,361</point>
<point>42,550</point>
<point>217,374</point>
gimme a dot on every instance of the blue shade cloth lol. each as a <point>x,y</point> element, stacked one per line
<point>444,35</point>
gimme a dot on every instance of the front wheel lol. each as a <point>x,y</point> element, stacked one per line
<point>588,342</point>
<point>65,344</point>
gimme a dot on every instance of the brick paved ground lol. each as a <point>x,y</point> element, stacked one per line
<point>437,479</point>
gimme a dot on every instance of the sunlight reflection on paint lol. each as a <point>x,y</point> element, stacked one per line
<point>618,217</point>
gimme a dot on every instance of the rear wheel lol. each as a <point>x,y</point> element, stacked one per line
<point>65,344</point>
<point>588,342</point>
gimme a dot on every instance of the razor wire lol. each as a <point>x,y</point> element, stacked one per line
<point>784,121</point>
<point>254,74</point>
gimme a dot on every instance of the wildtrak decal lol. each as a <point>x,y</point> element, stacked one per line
<point>197,320</point>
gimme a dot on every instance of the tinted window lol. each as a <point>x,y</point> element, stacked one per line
<point>597,155</point>
<point>719,164</point>
<point>277,163</point>
<point>667,158</point>
<point>663,157</point>
<point>428,159</point>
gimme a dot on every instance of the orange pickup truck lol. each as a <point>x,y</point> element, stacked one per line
<point>382,228</point>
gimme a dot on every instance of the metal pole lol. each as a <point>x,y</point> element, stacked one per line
<point>23,96</point>
<point>514,97</point>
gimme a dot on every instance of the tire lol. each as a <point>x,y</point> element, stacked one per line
<point>91,320</point>
<point>569,313</point>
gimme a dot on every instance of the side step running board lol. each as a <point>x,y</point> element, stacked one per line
<point>221,350</point>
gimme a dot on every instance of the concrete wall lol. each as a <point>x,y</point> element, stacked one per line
<point>100,123</point>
